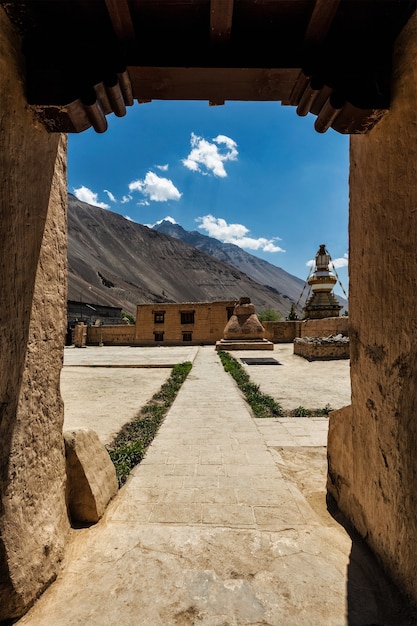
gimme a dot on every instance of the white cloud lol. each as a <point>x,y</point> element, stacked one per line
<point>229,143</point>
<point>339,262</point>
<point>163,168</point>
<point>206,156</point>
<point>156,188</point>
<point>111,196</point>
<point>128,218</point>
<point>127,198</point>
<point>218,228</point>
<point>86,195</point>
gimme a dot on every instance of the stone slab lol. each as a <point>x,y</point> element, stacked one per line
<point>91,476</point>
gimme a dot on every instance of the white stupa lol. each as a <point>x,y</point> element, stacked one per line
<point>323,302</point>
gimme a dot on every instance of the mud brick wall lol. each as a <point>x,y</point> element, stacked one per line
<point>120,335</point>
<point>33,264</point>
<point>372,447</point>
<point>325,327</point>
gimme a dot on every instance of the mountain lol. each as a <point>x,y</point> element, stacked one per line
<point>259,270</point>
<point>116,262</point>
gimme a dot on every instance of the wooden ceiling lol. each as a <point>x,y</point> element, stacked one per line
<point>87,59</point>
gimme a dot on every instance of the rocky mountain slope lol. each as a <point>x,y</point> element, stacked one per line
<point>263,272</point>
<point>113,261</point>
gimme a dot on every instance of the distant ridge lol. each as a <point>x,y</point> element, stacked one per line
<point>114,261</point>
<point>263,272</point>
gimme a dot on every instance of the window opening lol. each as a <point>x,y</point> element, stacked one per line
<point>159,317</point>
<point>187,317</point>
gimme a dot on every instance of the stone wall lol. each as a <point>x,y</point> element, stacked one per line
<point>208,327</point>
<point>120,335</point>
<point>33,191</point>
<point>325,327</point>
<point>373,446</point>
<point>80,335</point>
<point>287,331</point>
<point>321,348</point>
<point>282,332</point>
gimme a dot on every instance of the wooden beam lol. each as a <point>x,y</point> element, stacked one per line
<point>321,20</point>
<point>212,84</point>
<point>354,121</point>
<point>121,19</point>
<point>221,14</point>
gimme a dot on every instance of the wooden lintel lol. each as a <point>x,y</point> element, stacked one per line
<point>121,19</point>
<point>211,84</point>
<point>321,20</point>
<point>221,14</point>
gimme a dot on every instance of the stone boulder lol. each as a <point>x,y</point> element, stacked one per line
<point>91,476</point>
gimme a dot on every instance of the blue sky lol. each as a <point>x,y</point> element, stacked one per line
<point>253,174</point>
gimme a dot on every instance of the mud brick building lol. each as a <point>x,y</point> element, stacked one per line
<point>192,322</point>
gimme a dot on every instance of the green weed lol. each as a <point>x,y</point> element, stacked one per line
<point>301,411</point>
<point>325,411</point>
<point>129,446</point>
<point>261,404</point>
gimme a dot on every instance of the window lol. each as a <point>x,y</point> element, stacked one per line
<point>158,317</point>
<point>187,336</point>
<point>187,317</point>
<point>158,336</point>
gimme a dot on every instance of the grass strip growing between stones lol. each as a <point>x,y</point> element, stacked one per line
<point>129,446</point>
<point>301,411</point>
<point>261,404</point>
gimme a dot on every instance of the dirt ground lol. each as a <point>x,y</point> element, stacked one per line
<point>104,398</point>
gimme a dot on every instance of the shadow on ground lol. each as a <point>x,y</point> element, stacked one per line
<point>372,598</point>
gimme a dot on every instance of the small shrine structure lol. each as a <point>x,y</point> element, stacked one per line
<point>322,302</point>
<point>244,331</point>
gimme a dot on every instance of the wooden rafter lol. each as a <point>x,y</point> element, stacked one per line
<point>221,14</point>
<point>321,20</point>
<point>121,19</point>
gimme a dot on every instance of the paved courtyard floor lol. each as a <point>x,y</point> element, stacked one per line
<point>225,522</point>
